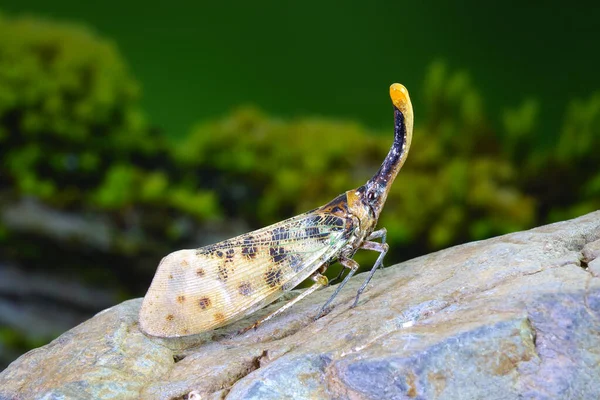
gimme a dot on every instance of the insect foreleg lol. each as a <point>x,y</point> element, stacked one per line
<point>382,248</point>
<point>382,233</point>
<point>320,281</point>
<point>353,267</point>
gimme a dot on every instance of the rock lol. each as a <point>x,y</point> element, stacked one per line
<point>591,256</point>
<point>512,317</point>
<point>37,305</point>
<point>594,267</point>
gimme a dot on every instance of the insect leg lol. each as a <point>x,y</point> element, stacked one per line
<point>337,278</point>
<point>382,248</point>
<point>320,281</point>
<point>378,234</point>
<point>374,235</point>
<point>353,267</point>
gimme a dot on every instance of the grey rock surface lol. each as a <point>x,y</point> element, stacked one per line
<point>517,316</point>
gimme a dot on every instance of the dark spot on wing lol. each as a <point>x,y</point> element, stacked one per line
<point>315,233</point>
<point>295,262</point>
<point>245,289</point>
<point>278,254</point>
<point>338,222</point>
<point>273,276</point>
<point>314,220</point>
<point>229,255</point>
<point>200,272</point>
<point>180,299</point>
<point>219,254</point>
<point>248,248</point>
<point>249,252</point>
<point>170,317</point>
<point>206,250</point>
<point>223,272</point>
<point>333,222</point>
<point>280,234</point>
<point>204,303</point>
<point>311,231</point>
<point>337,210</point>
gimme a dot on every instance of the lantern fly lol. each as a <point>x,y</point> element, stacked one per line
<point>197,290</point>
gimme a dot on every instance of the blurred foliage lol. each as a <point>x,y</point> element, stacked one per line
<point>67,102</point>
<point>72,133</point>
<point>264,169</point>
<point>73,136</point>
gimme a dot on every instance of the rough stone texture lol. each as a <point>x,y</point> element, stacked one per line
<point>516,316</point>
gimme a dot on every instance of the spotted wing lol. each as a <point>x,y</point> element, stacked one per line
<point>197,290</point>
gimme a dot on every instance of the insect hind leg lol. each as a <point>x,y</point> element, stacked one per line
<point>382,248</point>
<point>353,267</point>
<point>337,278</point>
<point>320,281</point>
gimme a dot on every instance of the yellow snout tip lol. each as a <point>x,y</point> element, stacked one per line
<point>399,96</point>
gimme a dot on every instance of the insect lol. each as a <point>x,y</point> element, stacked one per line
<point>197,290</point>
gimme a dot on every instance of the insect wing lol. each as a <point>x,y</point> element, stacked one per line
<point>198,290</point>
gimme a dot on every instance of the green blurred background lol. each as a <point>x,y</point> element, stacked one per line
<point>128,131</point>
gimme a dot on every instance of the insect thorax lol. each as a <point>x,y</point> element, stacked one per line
<point>364,221</point>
